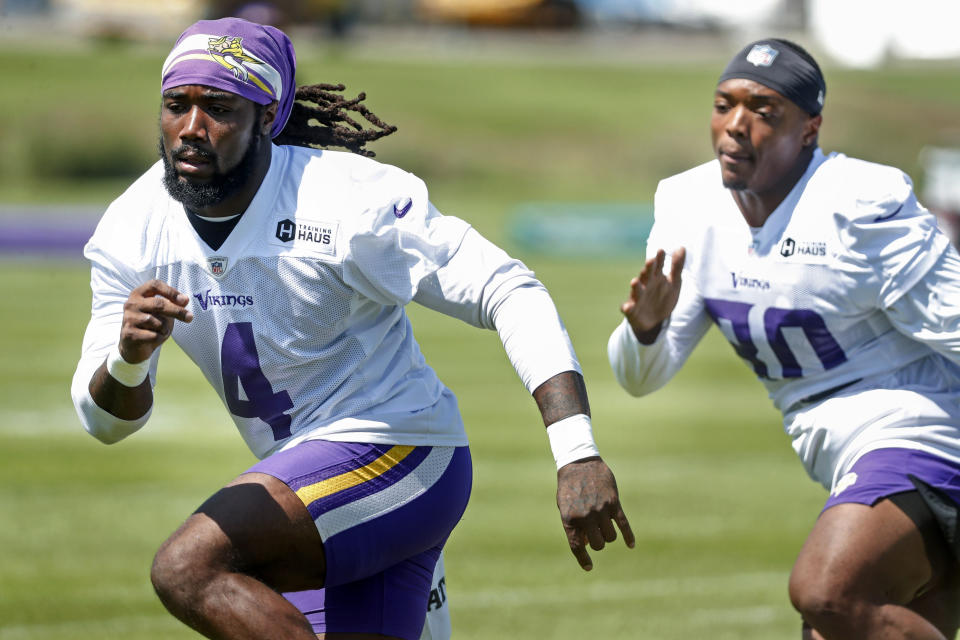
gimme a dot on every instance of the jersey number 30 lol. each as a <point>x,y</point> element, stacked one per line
<point>240,367</point>
<point>775,320</point>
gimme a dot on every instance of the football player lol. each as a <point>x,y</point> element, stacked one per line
<point>834,284</point>
<point>283,272</point>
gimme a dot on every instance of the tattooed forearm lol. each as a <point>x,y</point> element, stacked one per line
<point>562,396</point>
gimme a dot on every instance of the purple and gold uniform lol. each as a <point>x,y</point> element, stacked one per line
<point>299,321</point>
<point>384,513</point>
<point>299,326</point>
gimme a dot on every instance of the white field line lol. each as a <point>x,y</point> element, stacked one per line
<point>752,615</point>
<point>167,422</point>
<point>609,591</point>
<point>104,627</point>
<point>625,591</point>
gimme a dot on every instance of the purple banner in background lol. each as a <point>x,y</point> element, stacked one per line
<point>46,231</point>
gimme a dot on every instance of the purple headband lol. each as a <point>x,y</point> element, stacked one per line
<point>252,60</point>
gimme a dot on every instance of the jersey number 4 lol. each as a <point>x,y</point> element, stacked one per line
<point>775,320</point>
<point>240,367</point>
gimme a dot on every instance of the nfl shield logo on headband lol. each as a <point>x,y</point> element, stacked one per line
<point>762,55</point>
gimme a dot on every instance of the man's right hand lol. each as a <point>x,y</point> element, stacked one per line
<point>653,295</point>
<point>148,316</point>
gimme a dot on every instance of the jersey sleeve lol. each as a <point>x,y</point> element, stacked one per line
<point>641,369</point>
<point>399,240</point>
<point>890,240</point>
<point>111,283</point>
<point>483,286</point>
<point>929,311</point>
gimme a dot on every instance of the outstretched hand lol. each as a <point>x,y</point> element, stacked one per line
<point>653,295</point>
<point>148,317</point>
<point>589,506</point>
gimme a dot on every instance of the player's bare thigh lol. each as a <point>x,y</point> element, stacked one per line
<point>940,606</point>
<point>256,525</point>
<point>877,555</point>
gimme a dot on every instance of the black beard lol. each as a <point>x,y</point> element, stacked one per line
<point>198,196</point>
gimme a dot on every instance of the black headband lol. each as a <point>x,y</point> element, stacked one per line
<point>785,68</point>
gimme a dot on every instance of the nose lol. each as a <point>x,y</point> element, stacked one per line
<point>194,125</point>
<point>737,122</point>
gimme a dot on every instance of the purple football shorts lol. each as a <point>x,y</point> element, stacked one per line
<point>384,513</point>
<point>884,472</point>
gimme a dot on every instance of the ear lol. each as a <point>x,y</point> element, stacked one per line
<point>269,115</point>
<point>811,130</point>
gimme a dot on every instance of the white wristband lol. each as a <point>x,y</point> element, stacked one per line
<point>129,375</point>
<point>571,439</point>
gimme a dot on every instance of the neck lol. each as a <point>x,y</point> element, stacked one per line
<point>238,202</point>
<point>757,206</point>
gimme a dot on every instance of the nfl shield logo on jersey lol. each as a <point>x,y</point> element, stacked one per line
<point>762,55</point>
<point>218,265</point>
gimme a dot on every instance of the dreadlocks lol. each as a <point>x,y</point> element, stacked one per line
<point>335,127</point>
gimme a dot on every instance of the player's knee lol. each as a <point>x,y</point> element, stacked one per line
<point>818,608</point>
<point>178,573</point>
<point>825,604</point>
<point>169,573</point>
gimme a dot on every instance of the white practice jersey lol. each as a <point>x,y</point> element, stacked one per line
<point>844,282</point>
<point>299,319</point>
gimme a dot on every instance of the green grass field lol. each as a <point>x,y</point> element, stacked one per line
<point>718,502</point>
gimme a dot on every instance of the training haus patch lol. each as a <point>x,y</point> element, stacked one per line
<point>312,236</point>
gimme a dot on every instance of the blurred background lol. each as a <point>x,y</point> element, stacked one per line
<point>869,36</point>
<point>544,123</point>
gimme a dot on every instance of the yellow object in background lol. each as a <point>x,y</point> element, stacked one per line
<point>553,13</point>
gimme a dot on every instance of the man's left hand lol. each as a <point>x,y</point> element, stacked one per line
<point>589,506</point>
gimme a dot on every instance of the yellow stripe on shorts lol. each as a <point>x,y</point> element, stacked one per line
<point>378,467</point>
